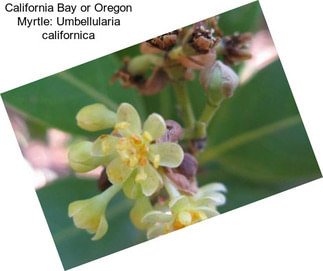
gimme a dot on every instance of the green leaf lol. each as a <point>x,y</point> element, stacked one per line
<point>247,18</point>
<point>74,245</point>
<point>258,134</point>
<point>128,52</point>
<point>55,100</point>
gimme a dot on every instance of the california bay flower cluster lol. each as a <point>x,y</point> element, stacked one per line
<point>153,162</point>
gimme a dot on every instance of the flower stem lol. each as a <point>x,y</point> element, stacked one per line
<point>184,102</point>
<point>108,194</point>
<point>208,113</point>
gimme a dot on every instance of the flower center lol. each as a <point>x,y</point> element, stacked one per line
<point>186,218</point>
<point>133,150</point>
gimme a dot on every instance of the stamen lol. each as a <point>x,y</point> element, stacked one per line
<point>136,140</point>
<point>133,150</point>
<point>198,216</point>
<point>147,136</point>
<point>177,225</point>
<point>121,125</point>
<point>202,215</point>
<point>133,161</point>
<point>156,161</point>
<point>144,149</point>
<point>141,175</point>
<point>143,160</point>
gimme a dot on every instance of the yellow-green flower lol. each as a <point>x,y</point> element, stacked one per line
<point>183,211</point>
<point>130,153</point>
<point>89,214</point>
<point>135,157</point>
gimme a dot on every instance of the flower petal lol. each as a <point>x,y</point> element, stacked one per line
<point>155,125</point>
<point>141,207</point>
<point>152,182</point>
<point>87,213</point>
<point>185,218</point>
<point>75,207</point>
<point>104,145</point>
<point>157,217</point>
<point>212,187</point>
<point>179,204</point>
<point>215,199</point>
<point>118,171</point>
<point>156,231</point>
<point>170,154</point>
<point>102,229</point>
<point>209,212</point>
<point>126,113</point>
<point>131,188</point>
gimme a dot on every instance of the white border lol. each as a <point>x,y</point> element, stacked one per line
<point>283,232</point>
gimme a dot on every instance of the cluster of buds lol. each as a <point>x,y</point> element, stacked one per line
<point>174,55</point>
<point>177,56</point>
<point>138,159</point>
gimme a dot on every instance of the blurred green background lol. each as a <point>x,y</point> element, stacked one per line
<point>257,143</point>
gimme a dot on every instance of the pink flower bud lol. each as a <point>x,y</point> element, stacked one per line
<point>173,133</point>
<point>219,82</point>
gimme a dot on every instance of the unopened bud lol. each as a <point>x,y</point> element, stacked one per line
<point>189,166</point>
<point>95,117</point>
<point>80,157</point>
<point>219,82</point>
<point>139,65</point>
<point>173,133</point>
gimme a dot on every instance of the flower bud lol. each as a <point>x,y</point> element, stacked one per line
<point>219,82</point>
<point>81,159</point>
<point>173,133</point>
<point>139,65</point>
<point>183,177</point>
<point>95,117</point>
<point>189,166</point>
